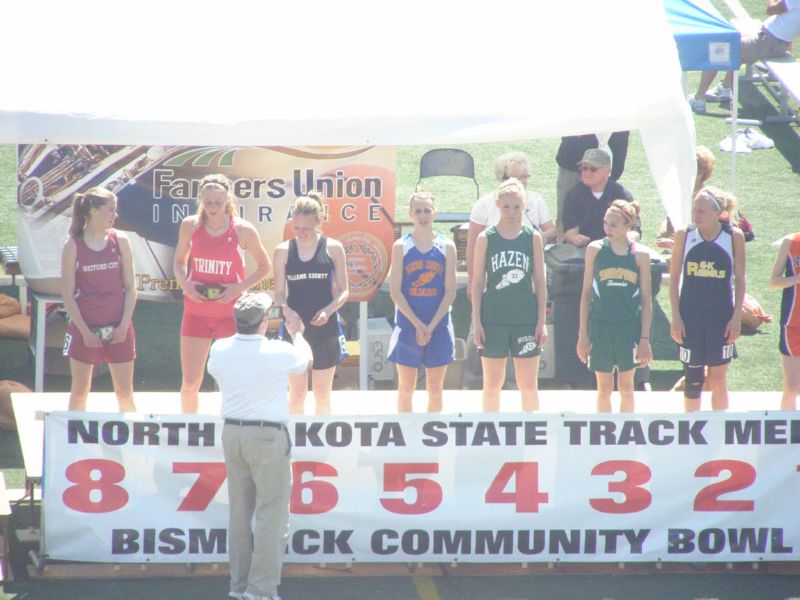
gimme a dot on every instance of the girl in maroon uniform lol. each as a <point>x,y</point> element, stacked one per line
<point>97,284</point>
<point>209,267</point>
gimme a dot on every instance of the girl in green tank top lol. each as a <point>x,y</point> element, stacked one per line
<point>616,308</point>
<point>509,296</point>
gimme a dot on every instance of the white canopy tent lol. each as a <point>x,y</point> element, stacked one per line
<point>347,72</point>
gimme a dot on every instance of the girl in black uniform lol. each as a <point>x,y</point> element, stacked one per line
<point>311,279</point>
<point>707,267</point>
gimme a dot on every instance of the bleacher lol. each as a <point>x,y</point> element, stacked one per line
<point>780,76</point>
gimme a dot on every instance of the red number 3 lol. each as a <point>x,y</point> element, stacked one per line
<point>636,499</point>
<point>98,494</point>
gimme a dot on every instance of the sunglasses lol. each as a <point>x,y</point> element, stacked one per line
<point>588,168</point>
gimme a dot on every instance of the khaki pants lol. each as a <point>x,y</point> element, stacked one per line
<point>259,484</point>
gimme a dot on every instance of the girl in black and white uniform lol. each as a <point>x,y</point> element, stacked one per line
<point>707,287</point>
<point>311,279</point>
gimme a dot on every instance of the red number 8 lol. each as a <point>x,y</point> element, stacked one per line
<point>112,497</point>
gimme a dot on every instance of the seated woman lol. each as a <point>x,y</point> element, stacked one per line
<point>731,214</point>
<point>486,214</point>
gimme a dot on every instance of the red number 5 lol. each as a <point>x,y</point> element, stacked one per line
<point>429,492</point>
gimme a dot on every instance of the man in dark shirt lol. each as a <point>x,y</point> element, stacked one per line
<point>585,205</point>
<point>570,153</point>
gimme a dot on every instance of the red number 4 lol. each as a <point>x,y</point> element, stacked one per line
<point>526,496</point>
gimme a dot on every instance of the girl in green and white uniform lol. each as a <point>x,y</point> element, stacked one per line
<point>616,293</point>
<point>509,297</point>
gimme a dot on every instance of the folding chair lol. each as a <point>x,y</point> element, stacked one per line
<point>448,162</point>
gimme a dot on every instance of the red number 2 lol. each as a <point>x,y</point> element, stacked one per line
<point>742,475</point>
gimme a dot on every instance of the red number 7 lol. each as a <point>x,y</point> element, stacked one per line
<point>211,476</point>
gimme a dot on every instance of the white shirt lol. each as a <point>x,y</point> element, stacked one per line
<point>485,211</point>
<point>785,26</point>
<point>252,373</point>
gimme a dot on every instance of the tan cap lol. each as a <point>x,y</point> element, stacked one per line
<point>596,157</point>
<point>250,309</point>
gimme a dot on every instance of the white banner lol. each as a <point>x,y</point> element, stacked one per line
<point>438,488</point>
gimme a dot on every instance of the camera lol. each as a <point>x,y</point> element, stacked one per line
<point>275,313</point>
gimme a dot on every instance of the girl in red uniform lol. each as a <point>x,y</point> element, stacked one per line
<point>786,276</point>
<point>97,284</point>
<point>209,267</point>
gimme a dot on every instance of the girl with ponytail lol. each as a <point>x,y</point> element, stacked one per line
<point>98,288</point>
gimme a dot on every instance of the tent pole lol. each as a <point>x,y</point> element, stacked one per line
<point>735,128</point>
<point>363,344</point>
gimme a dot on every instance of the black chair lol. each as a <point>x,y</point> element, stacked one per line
<point>448,162</point>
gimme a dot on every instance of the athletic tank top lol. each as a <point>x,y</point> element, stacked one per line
<point>423,281</point>
<point>214,259</point>
<point>706,291</point>
<point>99,290</point>
<point>615,288</point>
<point>790,304</point>
<point>310,284</point>
<point>508,298</point>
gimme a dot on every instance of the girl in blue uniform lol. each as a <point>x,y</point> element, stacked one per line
<point>616,308</point>
<point>423,287</point>
<point>706,292</point>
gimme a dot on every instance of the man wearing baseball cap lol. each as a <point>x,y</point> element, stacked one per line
<point>252,373</point>
<point>586,203</point>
